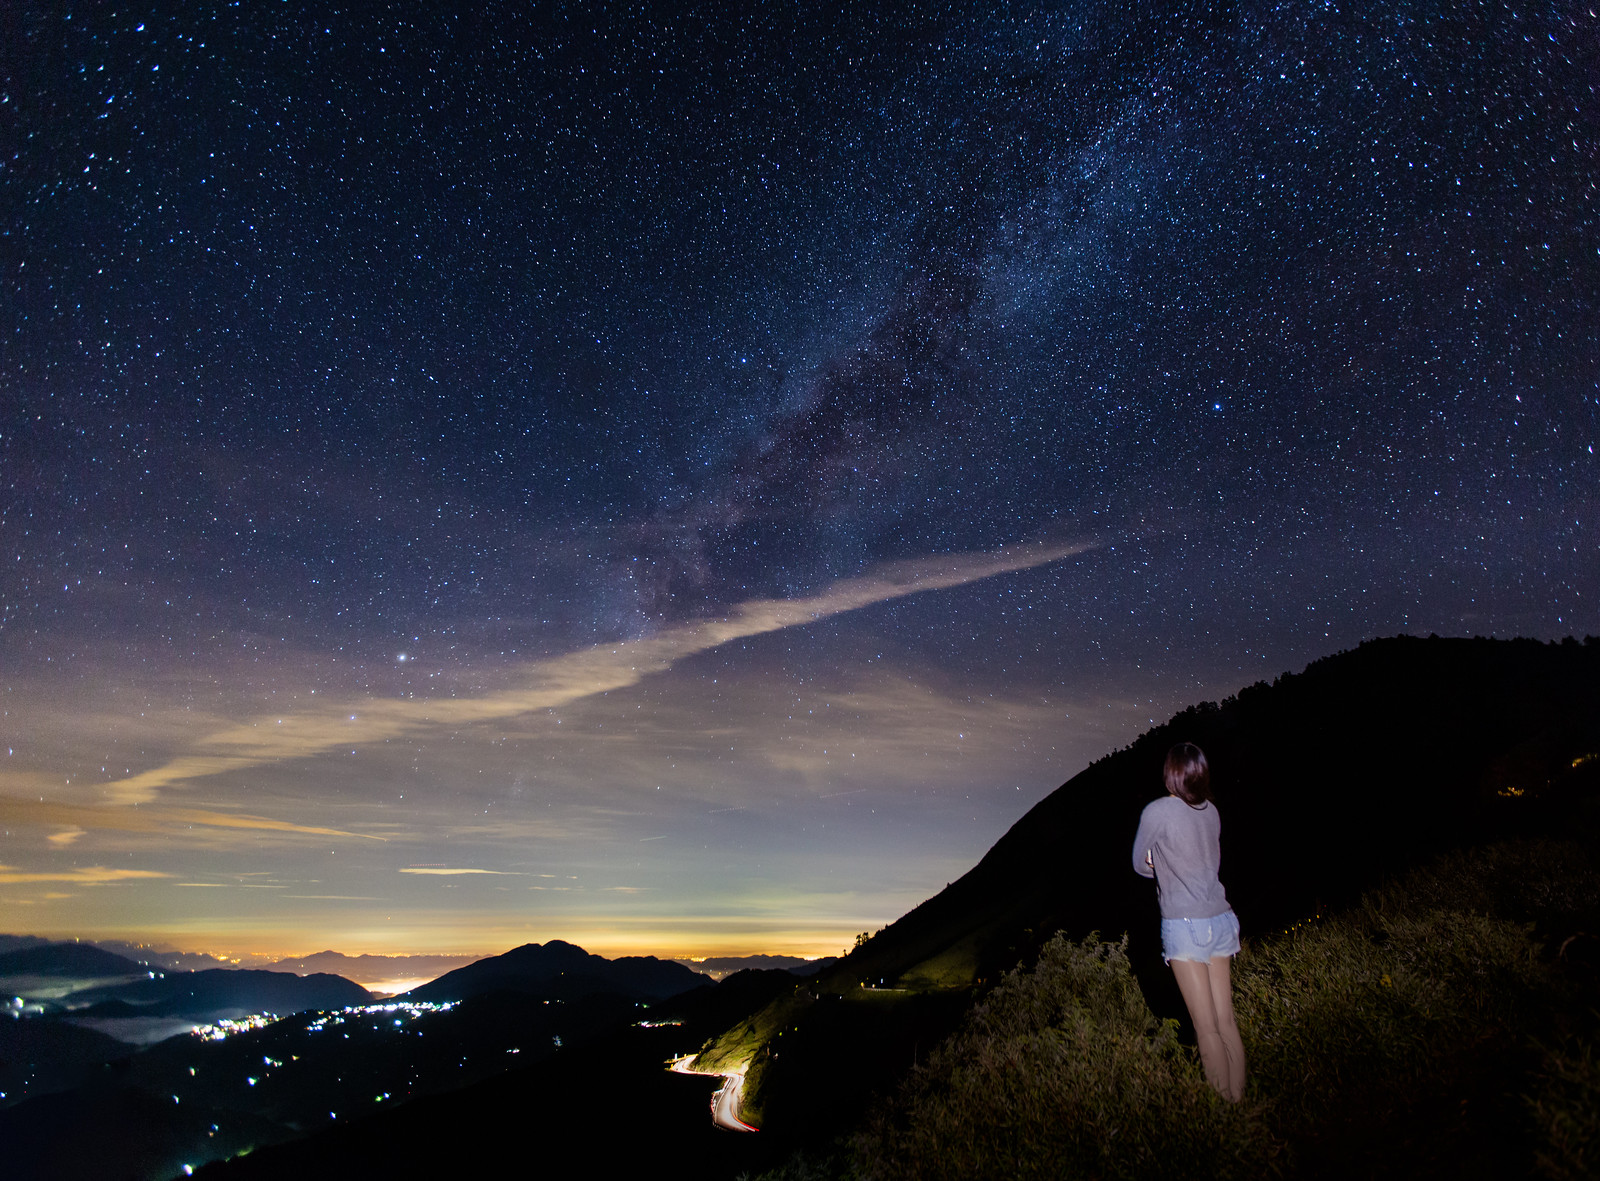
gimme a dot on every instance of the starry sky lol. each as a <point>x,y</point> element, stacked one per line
<point>686,479</point>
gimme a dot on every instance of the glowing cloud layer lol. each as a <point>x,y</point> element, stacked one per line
<point>546,684</point>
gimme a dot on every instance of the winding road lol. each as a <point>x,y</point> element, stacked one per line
<point>725,1103</point>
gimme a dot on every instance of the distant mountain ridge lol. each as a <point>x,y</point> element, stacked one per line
<point>180,961</point>
<point>558,970</point>
<point>67,960</point>
<point>213,992</point>
<point>19,942</point>
<point>370,967</point>
<point>718,967</point>
<point>79,957</point>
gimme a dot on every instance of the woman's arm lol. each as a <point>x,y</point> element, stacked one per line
<point>1143,844</point>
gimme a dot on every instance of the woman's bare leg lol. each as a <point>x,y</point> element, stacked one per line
<point>1208,992</point>
<point>1220,974</point>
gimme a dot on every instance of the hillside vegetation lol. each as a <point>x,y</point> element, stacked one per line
<point>1441,1025</point>
<point>1331,783</point>
<point>1362,766</point>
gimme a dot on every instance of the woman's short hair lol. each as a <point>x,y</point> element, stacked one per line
<point>1188,775</point>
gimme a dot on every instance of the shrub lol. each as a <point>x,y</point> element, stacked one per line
<point>1356,1011</point>
<point>1361,1030</point>
<point>1538,880</point>
<point>1062,1071</point>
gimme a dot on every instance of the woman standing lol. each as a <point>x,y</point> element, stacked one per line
<point>1180,845</point>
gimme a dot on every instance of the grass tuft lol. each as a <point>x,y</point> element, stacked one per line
<point>1566,1110</point>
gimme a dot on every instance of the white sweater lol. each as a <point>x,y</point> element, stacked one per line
<point>1185,845</point>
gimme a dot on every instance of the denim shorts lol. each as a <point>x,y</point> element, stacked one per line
<point>1200,939</point>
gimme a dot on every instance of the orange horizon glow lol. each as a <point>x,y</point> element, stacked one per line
<point>611,945</point>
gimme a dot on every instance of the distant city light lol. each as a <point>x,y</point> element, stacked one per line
<point>224,1029</point>
<point>407,1009</point>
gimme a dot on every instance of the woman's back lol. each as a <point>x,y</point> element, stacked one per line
<point>1184,846</point>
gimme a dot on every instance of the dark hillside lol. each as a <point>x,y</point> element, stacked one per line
<point>40,1055</point>
<point>733,997</point>
<point>1368,762</point>
<point>188,1100</point>
<point>10,943</point>
<point>608,1110</point>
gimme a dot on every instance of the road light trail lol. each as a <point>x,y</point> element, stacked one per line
<point>725,1103</point>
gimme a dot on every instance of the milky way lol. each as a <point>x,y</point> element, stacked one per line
<point>357,358</point>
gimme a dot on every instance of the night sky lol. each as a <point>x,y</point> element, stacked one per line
<point>687,482</point>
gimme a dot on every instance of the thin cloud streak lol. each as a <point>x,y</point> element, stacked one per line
<point>160,819</point>
<point>93,875</point>
<point>433,871</point>
<point>562,680</point>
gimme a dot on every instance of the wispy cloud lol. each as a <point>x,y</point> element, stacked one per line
<point>234,885</point>
<point>336,897</point>
<point>94,875</point>
<point>444,872</point>
<point>82,817</point>
<point>546,684</point>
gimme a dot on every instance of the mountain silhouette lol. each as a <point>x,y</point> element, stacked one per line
<point>561,971</point>
<point>9,943</point>
<point>67,960</point>
<point>219,992</point>
<point>721,967</point>
<point>370,967</point>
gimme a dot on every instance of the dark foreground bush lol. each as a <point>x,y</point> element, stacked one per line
<point>1566,1109</point>
<point>1401,1037</point>
<point>1348,1019</point>
<point>1404,1030</point>
<point>1409,1036</point>
<point>1062,1071</point>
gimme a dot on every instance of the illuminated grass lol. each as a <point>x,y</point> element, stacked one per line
<point>955,967</point>
<point>735,1049</point>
